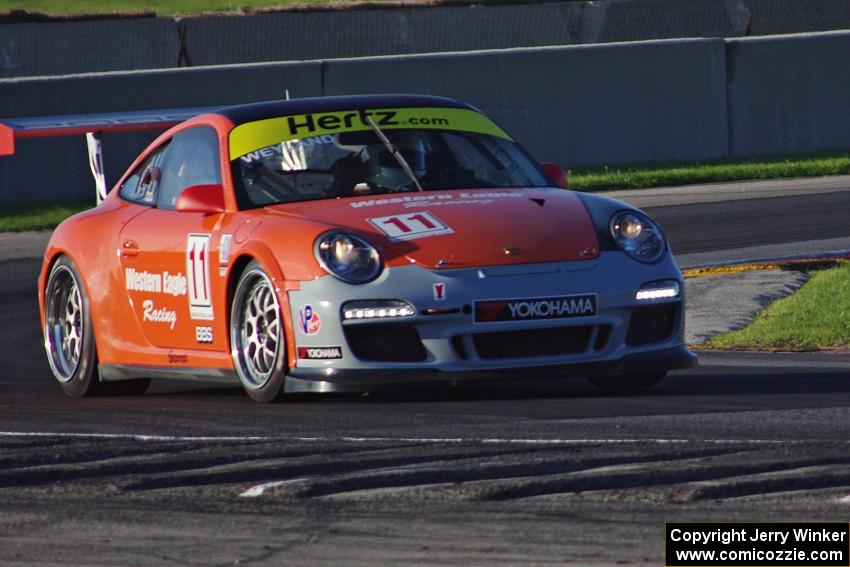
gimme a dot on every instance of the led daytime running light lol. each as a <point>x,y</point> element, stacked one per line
<point>658,290</point>
<point>393,308</point>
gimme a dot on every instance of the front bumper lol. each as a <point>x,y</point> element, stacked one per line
<point>451,345</point>
<point>316,380</point>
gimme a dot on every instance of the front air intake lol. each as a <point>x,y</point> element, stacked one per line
<point>383,342</point>
<point>652,324</point>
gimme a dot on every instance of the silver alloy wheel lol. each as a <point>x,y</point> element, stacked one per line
<point>65,324</point>
<point>257,335</point>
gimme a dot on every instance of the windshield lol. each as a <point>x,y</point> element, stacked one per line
<point>355,163</point>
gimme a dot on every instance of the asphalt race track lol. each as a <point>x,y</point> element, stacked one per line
<point>754,222</point>
<point>550,473</point>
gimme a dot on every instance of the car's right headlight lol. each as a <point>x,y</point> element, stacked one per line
<point>348,257</point>
<point>638,236</point>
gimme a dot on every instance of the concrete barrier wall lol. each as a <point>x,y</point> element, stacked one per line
<point>29,49</point>
<point>793,16</point>
<point>583,105</point>
<point>789,94</point>
<point>59,48</point>
<point>312,34</point>
<point>299,35</point>
<point>578,106</point>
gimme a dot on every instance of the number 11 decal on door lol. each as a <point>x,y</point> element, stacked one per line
<point>198,269</point>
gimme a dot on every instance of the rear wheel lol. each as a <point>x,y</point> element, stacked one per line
<point>257,336</point>
<point>69,336</point>
<point>627,383</point>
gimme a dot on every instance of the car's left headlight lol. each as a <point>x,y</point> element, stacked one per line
<point>348,257</point>
<point>638,236</point>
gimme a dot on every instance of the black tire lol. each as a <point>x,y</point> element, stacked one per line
<point>627,383</point>
<point>257,337</point>
<point>69,337</point>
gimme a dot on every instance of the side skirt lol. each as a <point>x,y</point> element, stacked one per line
<point>117,372</point>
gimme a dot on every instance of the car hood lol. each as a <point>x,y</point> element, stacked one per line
<point>461,229</point>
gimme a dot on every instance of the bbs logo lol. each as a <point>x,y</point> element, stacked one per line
<point>204,334</point>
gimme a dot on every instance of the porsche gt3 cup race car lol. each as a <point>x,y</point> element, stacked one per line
<point>345,243</point>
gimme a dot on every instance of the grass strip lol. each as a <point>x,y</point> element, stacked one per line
<point>645,176</point>
<point>39,216</point>
<point>159,7</point>
<point>815,317</point>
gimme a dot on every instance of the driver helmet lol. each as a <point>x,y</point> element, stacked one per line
<point>384,168</point>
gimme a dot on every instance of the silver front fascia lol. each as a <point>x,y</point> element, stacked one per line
<point>613,277</point>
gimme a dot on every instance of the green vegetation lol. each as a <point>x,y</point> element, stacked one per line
<point>643,176</point>
<point>817,316</point>
<point>39,216</point>
<point>160,7</point>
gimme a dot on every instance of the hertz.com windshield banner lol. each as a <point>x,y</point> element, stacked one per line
<point>251,136</point>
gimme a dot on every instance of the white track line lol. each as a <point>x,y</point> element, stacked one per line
<point>260,489</point>
<point>128,436</point>
<point>423,440</point>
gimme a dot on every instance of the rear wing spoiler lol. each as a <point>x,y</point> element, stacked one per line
<point>92,126</point>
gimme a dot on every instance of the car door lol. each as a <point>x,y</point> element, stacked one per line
<point>169,266</point>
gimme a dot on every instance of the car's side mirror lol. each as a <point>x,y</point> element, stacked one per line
<point>556,174</point>
<point>207,199</point>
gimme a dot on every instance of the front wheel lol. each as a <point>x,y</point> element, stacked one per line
<point>627,383</point>
<point>257,337</point>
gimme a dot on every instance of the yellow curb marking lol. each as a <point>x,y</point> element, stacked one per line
<point>723,270</point>
<point>799,264</point>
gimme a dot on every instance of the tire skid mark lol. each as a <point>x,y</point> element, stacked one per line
<point>806,478</point>
<point>463,474</point>
<point>94,461</point>
<point>479,470</point>
<point>700,482</point>
<point>648,476</point>
<point>159,465</point>
<point>69,454</point>
<point>365,464</point>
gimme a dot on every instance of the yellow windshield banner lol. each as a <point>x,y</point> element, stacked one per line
<point>253,136</point>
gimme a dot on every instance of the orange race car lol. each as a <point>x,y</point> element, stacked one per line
<point>345,243</point>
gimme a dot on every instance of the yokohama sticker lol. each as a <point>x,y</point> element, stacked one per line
<point>308,320</point>
<point>320,353</point>
<point>198,268</point>
<point>409,226</point>
<point>535,308</point>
